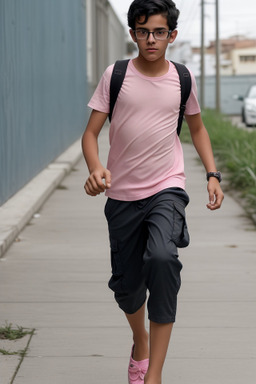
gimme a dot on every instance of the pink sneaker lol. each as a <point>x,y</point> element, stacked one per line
<point>137,370</point>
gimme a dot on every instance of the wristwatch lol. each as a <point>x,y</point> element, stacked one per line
<point>214,174</point>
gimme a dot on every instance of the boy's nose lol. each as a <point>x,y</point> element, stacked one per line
<point>151,37</point>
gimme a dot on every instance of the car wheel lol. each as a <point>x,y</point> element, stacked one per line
<point>243,116</point>
<point>247,124</point>
<point>245,119</point>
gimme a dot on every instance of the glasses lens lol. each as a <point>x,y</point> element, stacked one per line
<point>143,34</point>
<point>161,35</point>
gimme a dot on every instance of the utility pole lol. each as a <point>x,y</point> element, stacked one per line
<point>202,57</point>
<point>217,105</point>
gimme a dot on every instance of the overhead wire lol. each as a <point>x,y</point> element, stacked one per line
<point>188,16</point>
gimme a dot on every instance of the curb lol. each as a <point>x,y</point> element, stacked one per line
<point>20,208</point>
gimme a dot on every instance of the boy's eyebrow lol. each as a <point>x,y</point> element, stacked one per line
<point>155,29</point>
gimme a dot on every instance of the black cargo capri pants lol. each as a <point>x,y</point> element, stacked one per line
<point>144,236</point>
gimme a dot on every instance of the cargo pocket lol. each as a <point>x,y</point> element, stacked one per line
<point>115,283</point>
<point>115,258</point>
<point>180,229</point>
<point>109,208</point>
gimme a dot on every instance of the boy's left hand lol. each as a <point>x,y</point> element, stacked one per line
<point>216,195</point>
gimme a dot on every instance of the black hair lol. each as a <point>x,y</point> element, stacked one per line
<point>148,8</point>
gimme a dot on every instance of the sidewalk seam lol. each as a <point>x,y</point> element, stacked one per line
<point>22,357</point>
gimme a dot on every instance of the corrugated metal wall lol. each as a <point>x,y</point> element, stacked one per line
<point>43,85</point>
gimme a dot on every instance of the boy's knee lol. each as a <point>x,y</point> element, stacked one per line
<point>163,258</point>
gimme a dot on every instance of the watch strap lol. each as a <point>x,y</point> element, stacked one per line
<point>217,175</point>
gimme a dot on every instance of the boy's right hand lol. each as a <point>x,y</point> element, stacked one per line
<point>94,184</point>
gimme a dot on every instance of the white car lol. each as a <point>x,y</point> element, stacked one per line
<point>249,106</point>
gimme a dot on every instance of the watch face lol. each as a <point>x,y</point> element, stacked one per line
<point>214,174</point>
<point>218,175</point>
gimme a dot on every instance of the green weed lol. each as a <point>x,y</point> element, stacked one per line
<point>10,353</point>
<point>9,333</point>
<point>235,154</point>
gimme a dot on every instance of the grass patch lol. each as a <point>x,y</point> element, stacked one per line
<point>9,353</point>
<point>235,153</point>
<point>9,333</point>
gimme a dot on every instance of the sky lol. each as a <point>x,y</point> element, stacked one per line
<point>235,17</point>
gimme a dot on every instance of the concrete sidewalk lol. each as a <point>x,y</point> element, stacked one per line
<point>54,279</point>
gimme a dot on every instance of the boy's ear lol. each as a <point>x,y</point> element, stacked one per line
<point>173,36</point>
<point>133,36</point>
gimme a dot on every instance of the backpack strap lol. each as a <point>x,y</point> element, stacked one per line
<point>185,88</point>
<point>116,82</point>
<point>118,76</point>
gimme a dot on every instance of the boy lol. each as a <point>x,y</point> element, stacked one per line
<point>145,183</point>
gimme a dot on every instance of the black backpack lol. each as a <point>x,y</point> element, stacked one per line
<point>117,79</point>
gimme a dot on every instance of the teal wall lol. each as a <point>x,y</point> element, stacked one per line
<point>43,85</point>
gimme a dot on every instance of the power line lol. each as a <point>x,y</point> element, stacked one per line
<point>217,43</point>
<point>202,55</point>
<point>188,19</point>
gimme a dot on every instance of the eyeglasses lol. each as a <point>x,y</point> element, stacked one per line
<point>143,34</point>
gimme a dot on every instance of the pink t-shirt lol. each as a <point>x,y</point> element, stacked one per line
<point>145,153</point>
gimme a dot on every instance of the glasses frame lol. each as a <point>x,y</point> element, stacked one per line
<point>153,34</point>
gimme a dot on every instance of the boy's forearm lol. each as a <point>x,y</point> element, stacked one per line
<point>94,184</point>
<point>91,151</point>
<point>90,139</point>
<point>203,146</point>
<point>201,141</point>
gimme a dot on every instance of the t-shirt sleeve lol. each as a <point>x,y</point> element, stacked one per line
<point>192,106</point>
<point>100,98</point>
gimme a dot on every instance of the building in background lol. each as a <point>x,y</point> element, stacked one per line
<point>243,61</point>
<point>105,36</point>
<point>238,55</point>
<point>237,69</point>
